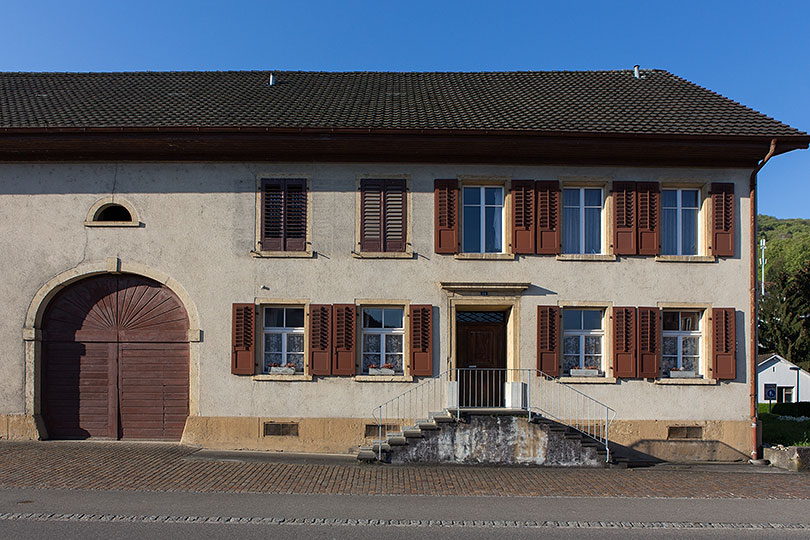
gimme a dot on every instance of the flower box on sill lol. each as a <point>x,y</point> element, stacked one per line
<point>380,371</point>
<point>282,370</point>
<point>682,374</point>
<point>584,372</point>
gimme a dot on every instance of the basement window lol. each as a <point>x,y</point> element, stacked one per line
<point>113,212</point>
<point>372,430</point>
<point>684,432</point>
<point>280,429</point>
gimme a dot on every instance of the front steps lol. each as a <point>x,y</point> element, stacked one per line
<point>487,438</point>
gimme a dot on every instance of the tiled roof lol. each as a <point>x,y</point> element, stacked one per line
<point>613,102</point>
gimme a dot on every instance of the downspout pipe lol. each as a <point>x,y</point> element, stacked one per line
<point>753,348</point>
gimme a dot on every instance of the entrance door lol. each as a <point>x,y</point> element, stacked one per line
<point>481,357</point>
<point>115,360</point>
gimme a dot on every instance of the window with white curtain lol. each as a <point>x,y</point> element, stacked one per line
<point>680,221</point>
<point>582,220</point>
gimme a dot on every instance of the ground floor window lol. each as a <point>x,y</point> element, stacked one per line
<point>283,329</point>
<point>582,342</point>
<point>383,337</point>
<point>681,344</point>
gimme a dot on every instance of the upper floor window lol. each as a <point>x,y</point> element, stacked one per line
<point>679,231</point>
<point>482,219</point>
<point>383,215</point>
<point>582,341</point>
<point>582,220</point>
<point>283,340</point>
<point>283,224</point>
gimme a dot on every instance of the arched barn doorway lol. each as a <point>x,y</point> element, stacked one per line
<point>115,360</point>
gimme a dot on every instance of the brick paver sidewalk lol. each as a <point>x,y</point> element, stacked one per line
<point>167,467</point>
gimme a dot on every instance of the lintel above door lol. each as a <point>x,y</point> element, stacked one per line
<point>472,288</point>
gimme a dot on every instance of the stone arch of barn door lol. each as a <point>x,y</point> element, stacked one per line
<point>32,331</point>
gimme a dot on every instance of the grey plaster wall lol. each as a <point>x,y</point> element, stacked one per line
<point>198,227</point>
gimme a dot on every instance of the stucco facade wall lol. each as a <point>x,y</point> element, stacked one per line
<point>199,228</point>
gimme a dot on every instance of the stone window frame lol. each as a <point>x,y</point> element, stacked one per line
<point>91,220</point>
<point>405,305</point>
<point>257,251</point>
<point>260,304</point>
<point>358,220</point>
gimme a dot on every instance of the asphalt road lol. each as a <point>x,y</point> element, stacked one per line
<point>69,514</point>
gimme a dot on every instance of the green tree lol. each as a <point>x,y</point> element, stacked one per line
<point>784,325</point>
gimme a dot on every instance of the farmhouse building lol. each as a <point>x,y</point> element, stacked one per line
<point>289,260</point>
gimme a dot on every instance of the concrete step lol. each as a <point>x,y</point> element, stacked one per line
<point>396,439</point>
<point>413,432</point>
<point>442,417</point>
<point>427,425</point>
<point>377,445</point>
<point>366,454</point>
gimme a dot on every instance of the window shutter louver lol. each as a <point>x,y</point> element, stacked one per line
<point>243,357</point>
<point>320,339</point>
<point>649,217</point>
<point>395,213</point>
<point>421,340</point>
<point>344,336</point>
<point>624,342</point>
<point>547,204</point>
<point>295,215</point>
<point>624,209</point>
<point>272,215</point>
<point>523,217</point>
<point>548,340</point>
<point>723,220</point>
<point>649,341</point>
<point>724,343</point>
<point>446,216</point>
<point>371,215</point>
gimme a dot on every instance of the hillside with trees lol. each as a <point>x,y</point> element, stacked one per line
<point>784,310</point>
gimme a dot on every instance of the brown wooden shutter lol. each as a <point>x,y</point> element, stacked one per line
<point>523,216</point>
<point>320,339</point>
<point>723,220</point>
<point>395,215</point>
<point>649,341</point>
<point>421,340</point>
<point>547,202</point>
<point>295,215</point>
<point>272,215</point>
<point>624,342</point>
<point>371,215</point>
<point>724,344</point>
<point>548,340</point>
<point>649,217</point>
<point>446,216</point>
<point>624,210</point>
<point>344,319</point>
<point>243,357</point>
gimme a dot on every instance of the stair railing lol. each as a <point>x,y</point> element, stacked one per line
<point>527,390</point>
<point>554,399</point>
<point>410,406</point>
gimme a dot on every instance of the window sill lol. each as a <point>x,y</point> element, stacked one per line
<point>695,381</point>
<point>588,380</point>
<point>112,224</point>
<point>383,378</point>
<point>408,254</point>
<point>269,377</point>
<point>686,258</point>
<point>282,254</point>
<point>585,257</point>
<point>485,256</point>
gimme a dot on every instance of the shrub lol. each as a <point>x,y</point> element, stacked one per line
<point>801,408</point>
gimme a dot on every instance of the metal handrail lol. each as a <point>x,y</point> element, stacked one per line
<point>487,388</point>
<point>411,405</point>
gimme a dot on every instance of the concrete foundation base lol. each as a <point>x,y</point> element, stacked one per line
<point>792,458</point>
<point>21,427</point>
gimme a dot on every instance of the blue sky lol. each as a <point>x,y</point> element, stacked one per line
<point>755,52</point>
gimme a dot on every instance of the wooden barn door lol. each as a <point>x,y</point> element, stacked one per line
<point>115,360</point>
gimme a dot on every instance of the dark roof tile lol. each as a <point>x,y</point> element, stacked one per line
<point>615,102</point>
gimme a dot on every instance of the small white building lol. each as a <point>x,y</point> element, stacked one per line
<point>773,369</point>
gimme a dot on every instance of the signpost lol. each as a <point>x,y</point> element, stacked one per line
<point>770,394</point>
